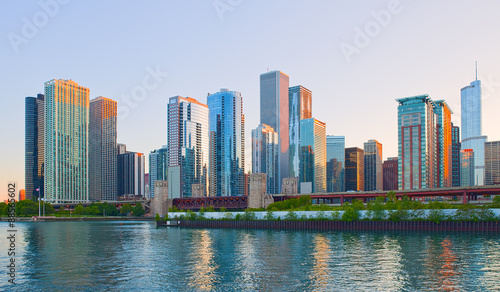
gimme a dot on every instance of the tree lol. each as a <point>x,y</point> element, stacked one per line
<point>79,210</point>
<point>138,210</point>
<point>94,210</point>
<point>157,217</point>
<point>126,209</point>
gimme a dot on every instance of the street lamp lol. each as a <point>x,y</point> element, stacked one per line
<point>39,212</point>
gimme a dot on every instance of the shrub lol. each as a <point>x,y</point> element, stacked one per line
<point>269,215</point>
<point>249,215</point>
<point>222,209</point>
<point>291,216</point>
<point>466,213</point>
<point>335,215</point>
<point>228,216</point>
<point>157,217</point>
<point>436,216</point>
<point>350,214</point>
<point>190,215</point>
<point>486,214</point>
<point>398,215</point>
<point>321,216</point>
<point>237,217</point>
<point>210,209</point>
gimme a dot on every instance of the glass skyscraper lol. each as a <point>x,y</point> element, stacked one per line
<point>373,166</point>
<point>492,161</point>
<point>66,141</point>
<point>455,156</point>
<point>300,107</point>
<point>157,168</point>
<point>417,143</point>
<point>335,163</point>
<point>130,171</point>
<point>103,149</point>
<point>188,145</point>
<point>444,144</point>
<point>265,155</point>
<point>390,169</point>
<point>34,150</point>
<point>313,154</point>
<point>354,169</point>
<point>467,173</point>
<point>274,110</point>
<point>227,143</point>
<point>471,127</point>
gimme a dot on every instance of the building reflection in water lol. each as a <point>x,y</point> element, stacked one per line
<point>320,272</point>
<point>448,272</point>
<point>204,266</point>
<point>248,261</point>
<point>491,266</point>
<point>389,268</point>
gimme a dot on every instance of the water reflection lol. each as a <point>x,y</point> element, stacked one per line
<point>448,272</point>
<point>320,268</point>
<point>204,266</point>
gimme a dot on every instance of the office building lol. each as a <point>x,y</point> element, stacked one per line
<point>130,171</point>
<point>300,107</point>
<point>33,146</point>
<point>157,168</point>
<point>66,142</point>
<point>472,137</point>
<point>335,163</point>
<point>354,169</point>
<point>417,143</point>
<point>103,149</point>
<point>455,155</point>
<point>274,110</point>
<point>467,168</point>
<point>227,143</point>
<point>188,145</point>
<point>444,152</point>
<point>492,163</point>
<point>373,166</point>
<point>390,169</point>
<point>313,154</point>
<point>265,155</point>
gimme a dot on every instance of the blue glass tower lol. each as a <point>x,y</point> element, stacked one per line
<point>34,145</point>
<point>335,163</point>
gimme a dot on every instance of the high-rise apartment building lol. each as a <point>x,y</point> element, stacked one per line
<point>313,154</point>
<point>300,107</point>
<point>492,163</point>
<point>354,169</point>
<point>455,155</point>
<point>467,168</point>
<point>444,151</point>
<point>390,169</point>
<point>274,111</point>
<point>102,149</point>
<point>227,143</point>
<point>335,163</point>
<point>188,146</point>
<point>66,142</point>
<point>130,171</point>
<point>373,166</point>
<point>157,167</point>
<point>33,146</point>
<point>265,155</point>
<point>417,143</point>
<point>472,137</point>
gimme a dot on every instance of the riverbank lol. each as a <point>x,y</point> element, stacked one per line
<point>457,226</point>
<point>62,219</point>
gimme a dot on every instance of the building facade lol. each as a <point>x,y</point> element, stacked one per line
<point>354,169</point>
<point>444,150</point>
<point>467,172</point>
<point>66,142</point>
<point>300,107</point>
<point>265,155</point>
<point>157,167</point>
<point>227,143</point>
<point>274,111</point>
<point>390,169</point>
<point>33,146</point>
<point>102,149</point>
<point>492,163</point>
<point>455,155</point>
<point>472,137</point>
<point>373,166</point>
<point>313,154</point>
<point>335,163</point>
<point>188,145</point>
<point>130,171</point>
<point>417,143</point>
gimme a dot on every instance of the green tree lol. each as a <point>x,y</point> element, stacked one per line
<point>350,214</point>
<point>94,210</point>
<point>157,217</point>
<point>79,210</point>
<point>126,209</point>
<point>138,210</point>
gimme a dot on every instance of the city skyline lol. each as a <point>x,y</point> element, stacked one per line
<point>320,67</point>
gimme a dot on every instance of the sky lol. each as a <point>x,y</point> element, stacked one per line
<point>356,57</point>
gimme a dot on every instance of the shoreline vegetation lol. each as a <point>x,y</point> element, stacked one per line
<point>383,208</point>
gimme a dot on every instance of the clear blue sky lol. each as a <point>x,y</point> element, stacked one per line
<point>413,47</point>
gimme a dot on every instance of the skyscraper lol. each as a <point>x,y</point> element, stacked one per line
<point>455,156</point>
<point>444,144</point>
<point>373,166</point>
<point>471,127</point>
<point>300,107</point>
<point>335,163</point>
<point>34,150</point>
<point>492,161</point>
<point>130,171</point>
<point>265,155</point>
<point>313,154</point>
<point>274,112</point>
<point>467,167</point>
<point>188,146</point>
<point>227,143</point>
<point>417,143</point>
<point>66,141</point>
<point>157,167</point>
<point>103,149</point>
<point>390,168</point>
<point>354,169</point>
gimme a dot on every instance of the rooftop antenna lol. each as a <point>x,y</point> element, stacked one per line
<point>476,70</point>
